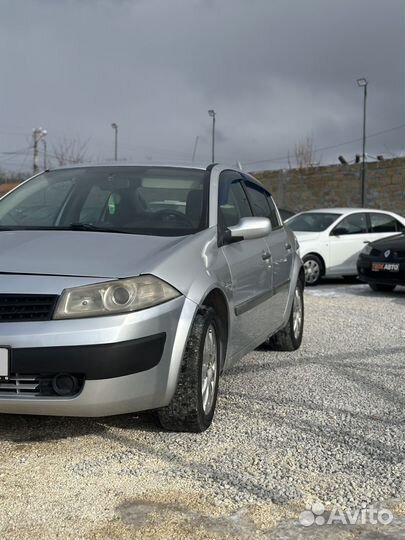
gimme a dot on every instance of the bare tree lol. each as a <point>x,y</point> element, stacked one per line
<point>70,151</point>
<point>304,153</point>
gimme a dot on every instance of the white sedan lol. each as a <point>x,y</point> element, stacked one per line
<point>331,238</point>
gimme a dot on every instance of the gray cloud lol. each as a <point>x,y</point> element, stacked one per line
<point>274,70</point>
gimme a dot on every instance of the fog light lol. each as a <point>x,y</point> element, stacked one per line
<point>65,384</point>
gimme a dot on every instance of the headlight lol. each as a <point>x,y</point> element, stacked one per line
<point>367,250</point>
<point>114,297</point>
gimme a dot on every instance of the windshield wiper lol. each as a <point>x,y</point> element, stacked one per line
<point>71,227</point>
<point>94,228</point>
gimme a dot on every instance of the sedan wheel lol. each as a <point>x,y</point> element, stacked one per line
<point>193,405</point>
<point>379,287</point>
<point>313,270</point>
<point>298,313</point>
<point>290,337</point>
<point>209,369</point>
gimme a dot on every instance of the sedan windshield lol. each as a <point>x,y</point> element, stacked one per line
<point>312,221</point>
<point>161,201</point>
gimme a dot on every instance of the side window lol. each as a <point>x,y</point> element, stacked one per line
<point>273,212</point>
<point>257,197</point>
<point>354,224</point>
<point>383,223</point>
<point>232,201</point>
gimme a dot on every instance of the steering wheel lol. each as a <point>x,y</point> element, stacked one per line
<point>176,214</point>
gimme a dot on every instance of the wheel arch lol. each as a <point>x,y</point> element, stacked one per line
<point>301,275</point>
<point>216,299</point>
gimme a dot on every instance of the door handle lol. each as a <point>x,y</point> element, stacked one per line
<point>266,255</point>
<point>288,246</point>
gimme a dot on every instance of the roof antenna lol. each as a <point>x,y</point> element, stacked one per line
<point>239,165</point>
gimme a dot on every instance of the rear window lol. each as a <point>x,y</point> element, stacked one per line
<point>384,223</point>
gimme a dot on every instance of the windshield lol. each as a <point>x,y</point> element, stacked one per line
<point>143,200</point>
<point>312,221</point>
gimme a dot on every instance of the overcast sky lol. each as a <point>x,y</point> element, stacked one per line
<point>275,71</point>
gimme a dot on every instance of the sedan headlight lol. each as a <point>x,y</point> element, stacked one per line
<point>367,250</point>
<point>114,297</point>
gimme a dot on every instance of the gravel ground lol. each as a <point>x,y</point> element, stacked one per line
<point>323,424</point>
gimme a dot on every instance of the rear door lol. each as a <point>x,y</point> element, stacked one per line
<point>382,225</point>
<point>346,240</point>
<point>249,265</point>
<point>277,241</point>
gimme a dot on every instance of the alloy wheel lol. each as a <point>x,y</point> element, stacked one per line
<point>297,313</point>
<point>209,369</point>
<point>312,271</point>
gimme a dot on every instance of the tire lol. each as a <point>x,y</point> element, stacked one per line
<point>191,409</point>
<point>314,270</point>
<point>290,337</point>
<point>379,287</point>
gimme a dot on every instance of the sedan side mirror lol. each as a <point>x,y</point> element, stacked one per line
<point>248,228</point>
<point>338,231</point>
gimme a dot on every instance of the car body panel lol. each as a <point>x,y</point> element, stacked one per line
<point>80,253</point>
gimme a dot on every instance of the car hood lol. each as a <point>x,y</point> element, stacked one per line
<point>396,243</point>
<point>304,236</point>
<point>81,254</point>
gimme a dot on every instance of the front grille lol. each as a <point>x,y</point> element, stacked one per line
<point>26,307</point>
<point>20,385</point>
<point>32,386</point>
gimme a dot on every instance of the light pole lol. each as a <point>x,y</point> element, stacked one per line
<point>45,153</point>
<point>115,128</point>
<point>37,135</point>
<point>363,83</point>
<point>212,113</point>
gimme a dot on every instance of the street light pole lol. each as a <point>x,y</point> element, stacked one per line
<point>363,83</point>
<point>115,128</point>
<point>213,115</point>
<point>45,154</point>
<point>37,135</point>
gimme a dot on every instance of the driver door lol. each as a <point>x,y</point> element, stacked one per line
<point>250,267</point>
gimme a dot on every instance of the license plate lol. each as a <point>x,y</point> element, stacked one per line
<point>4,354</point>
<point>385,267</point>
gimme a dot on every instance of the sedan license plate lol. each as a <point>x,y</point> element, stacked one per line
<point>385,267</point>
<point>4,355</point>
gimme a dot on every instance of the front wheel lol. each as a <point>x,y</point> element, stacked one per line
<point>290,337</point>
<point>313,269</point>
<point>193,404</point>
<point>379,287</point>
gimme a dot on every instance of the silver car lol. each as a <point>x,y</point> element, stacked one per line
<point>129,288</point>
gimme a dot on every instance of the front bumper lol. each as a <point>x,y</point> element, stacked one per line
<point>92,362</point>
<point>366,274</point>
<point>128,362</point>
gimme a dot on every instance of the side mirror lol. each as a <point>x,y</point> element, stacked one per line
<point>247,229</point>
<point>338,231</point>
